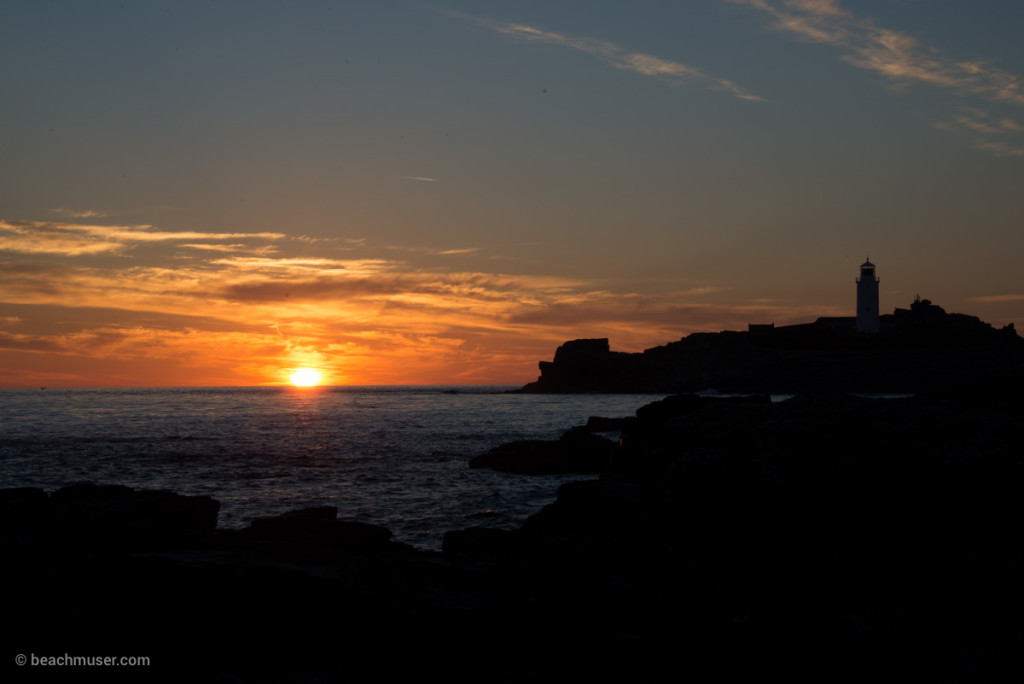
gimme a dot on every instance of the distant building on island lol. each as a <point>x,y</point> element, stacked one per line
<point>868,321</point>
<point>868,352</point>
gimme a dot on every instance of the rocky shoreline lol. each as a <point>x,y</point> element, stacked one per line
<point>824,537</point>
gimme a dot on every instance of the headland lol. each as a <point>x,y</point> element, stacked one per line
<point>921,348</point>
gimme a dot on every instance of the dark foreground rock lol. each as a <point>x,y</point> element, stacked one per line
<point>110,516</point>
<point>577,451</point>
<point>819,539</point>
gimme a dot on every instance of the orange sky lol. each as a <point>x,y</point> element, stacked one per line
<point>94,308</point>
<point>442,193</point>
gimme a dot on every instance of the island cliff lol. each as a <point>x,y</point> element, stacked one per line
<point>916,349</point>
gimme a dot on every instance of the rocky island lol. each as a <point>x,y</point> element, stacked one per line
<point>915,349</point>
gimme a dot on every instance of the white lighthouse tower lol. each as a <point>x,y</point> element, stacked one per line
<point>867,299</point>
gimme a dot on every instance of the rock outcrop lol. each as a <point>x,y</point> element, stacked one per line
<point>821,538</point>
<point>918,349</point>
<point>108,516</point>
<point>577,451</point>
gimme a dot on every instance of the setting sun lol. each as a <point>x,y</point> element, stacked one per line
<point>306,377</point>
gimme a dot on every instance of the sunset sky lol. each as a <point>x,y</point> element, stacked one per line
<point>220,192</point>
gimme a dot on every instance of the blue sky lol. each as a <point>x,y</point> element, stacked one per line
<point>218,192</point>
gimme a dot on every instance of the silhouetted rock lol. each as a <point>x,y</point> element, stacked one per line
<point>19,503</point>
<point>89,515</point>
<point>584,366</point>
<point>918,349</point>
<point>321,523</point>
<point>359,536</point>
<point>729,539</point>
<point>526,456</point>
<point>870,531</point>
<point>602,424</point>
<point>480,540</point>
<point>314,521</point>
<point>577,451</point>
<point>15,497</point>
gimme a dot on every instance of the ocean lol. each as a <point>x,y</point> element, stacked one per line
<point>391,456</point>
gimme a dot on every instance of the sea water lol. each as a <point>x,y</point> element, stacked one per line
<point>391,456</point>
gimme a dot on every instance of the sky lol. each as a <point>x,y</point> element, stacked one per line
<point>212,193</point>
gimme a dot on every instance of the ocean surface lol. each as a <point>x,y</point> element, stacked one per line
<point>391,456</point>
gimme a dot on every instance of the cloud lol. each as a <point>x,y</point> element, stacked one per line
<point>1000,149</point>
<point>895,55</point>
<point>998,299</point>
<point>669,315</point>
<point>227,317</point>
<point>234,248</point>
<point>818,7</point>
<point>75,239</point>
<point>39,237</point>
<point>616,55</point>
<point>300,267</point>
<point>900,58</point>
<point>213,352</point>
<point>32,343</point>
<point>1002,137</point>
<point>465,250</point>
<point>241,318</point>
<point>82,213</point>
<point>434,251</point>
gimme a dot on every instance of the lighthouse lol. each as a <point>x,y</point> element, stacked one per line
<point>867,299</point>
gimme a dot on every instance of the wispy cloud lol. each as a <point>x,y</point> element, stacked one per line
<point>903,60</point>
<point>623,314</point>
<point>79,213</point>
<point>37,238</point>
<point>617,56</point>
<point>895,55</point>
<point>227,315</point>
<point>419,178</point>
<point>433,250</point>
<point>236,248</point>
<point>74,239</point>
<point>238,317</point>
<point>999,148</point>
<point>998,299</point>
<point>1003,137</point>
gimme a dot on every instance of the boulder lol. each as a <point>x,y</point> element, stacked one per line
<point>321,523</point>
<point>313,521</point>
<point>485,540</point>
<point>353,535</point>
<point>19,503</point>
<point>21,515</point>
<point>577,451</point>
<point>114,516</point>
<point>603,424</point>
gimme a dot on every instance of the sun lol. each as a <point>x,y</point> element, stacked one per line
<point>306,377</point>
